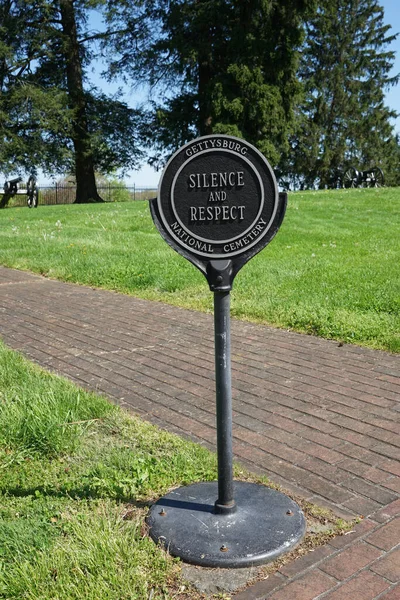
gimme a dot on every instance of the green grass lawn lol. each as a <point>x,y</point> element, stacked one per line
<point>333,270</point>
<point>76,477</point>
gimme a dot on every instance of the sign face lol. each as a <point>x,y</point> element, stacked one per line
<point>217,198</point>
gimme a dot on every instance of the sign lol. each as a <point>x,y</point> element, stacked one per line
<point>217,197</point>
<point>218,205</point>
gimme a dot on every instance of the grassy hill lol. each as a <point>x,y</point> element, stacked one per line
<point>333,270</point>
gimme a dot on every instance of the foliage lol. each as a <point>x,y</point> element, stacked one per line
<point>115,188</point>
<point>343,120</point>
<point>113,127</point>
<point>47,119</point>
<point>213,66</point>
<point>392,162</point>
<point>331,271</point>
<point>34,121</point>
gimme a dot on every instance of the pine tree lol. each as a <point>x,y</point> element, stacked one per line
<point>213,66</point>
<point>33,119</point>
<point>343,119</point>
<point>48,119</point>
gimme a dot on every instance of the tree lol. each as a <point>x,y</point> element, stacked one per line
<point>48,118</point>
<point>343,119</point>
<point>71,53</point>
<point>33,120</point>
<point>213,66</point>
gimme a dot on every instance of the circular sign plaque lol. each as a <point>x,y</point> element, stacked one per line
<point>217,197</point>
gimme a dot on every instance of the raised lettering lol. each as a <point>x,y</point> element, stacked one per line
<point>192,180</point>
<point>218,212</point>
<point>176,227</point>
<point>216,180</point>
<point>216,143</point>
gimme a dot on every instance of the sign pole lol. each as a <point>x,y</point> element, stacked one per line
<point>225,503</point>
<point>218,205</point>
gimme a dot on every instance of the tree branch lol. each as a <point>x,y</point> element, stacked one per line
<point>102,35</point>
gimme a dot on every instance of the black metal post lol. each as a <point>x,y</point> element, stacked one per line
<point>225,503</point>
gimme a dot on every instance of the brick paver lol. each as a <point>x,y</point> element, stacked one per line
<point>393,594</point>
<point>350,561</point>
<point>364,586</point>
<point>389,566</point>
<point>306,587</point>
<point>318,418</point>
<point>386,537</point>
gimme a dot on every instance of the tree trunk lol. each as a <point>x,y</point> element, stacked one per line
<point>205,118</point>
<point>205,71</point>
<point>86,190</point>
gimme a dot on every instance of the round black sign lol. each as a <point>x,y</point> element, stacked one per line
<point>217,197</point>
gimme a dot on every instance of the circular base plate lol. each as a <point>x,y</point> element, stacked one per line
<point>265,525</point>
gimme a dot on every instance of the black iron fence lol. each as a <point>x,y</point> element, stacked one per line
<point>65,194</point>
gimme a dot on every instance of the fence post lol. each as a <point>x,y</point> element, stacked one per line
<point>134,191</point>
<point>56,193</point>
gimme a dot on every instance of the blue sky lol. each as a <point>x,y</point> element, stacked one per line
<point>146,176</point>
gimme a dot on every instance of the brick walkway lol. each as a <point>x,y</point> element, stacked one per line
<point>318,418</point>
